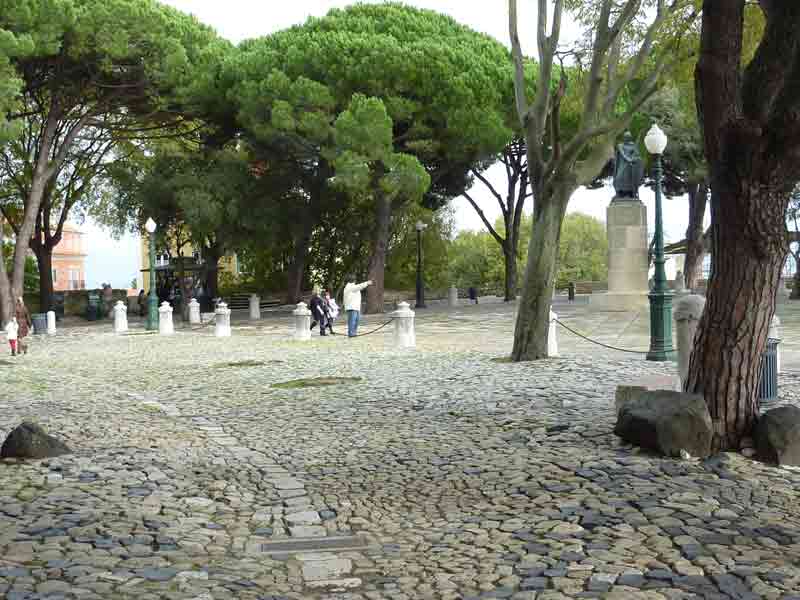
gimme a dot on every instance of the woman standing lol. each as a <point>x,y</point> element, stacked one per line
<point>24,322</point>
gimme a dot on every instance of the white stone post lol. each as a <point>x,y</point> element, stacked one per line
<point>165,326</point>
<point>775,334</point>
<point>194,312</point>
<point>120,317</point>
<point>255,307</point>
<point>452,297</point>
<point>552,337</point>
<point>687,313</point>
<point>302,323</point>
<point>51,322</point>
<point>222,322</point>
<point>404,336</point>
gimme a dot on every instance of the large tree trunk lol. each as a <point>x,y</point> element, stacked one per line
<point>44,260</point>
<point>533,316</point>
<point>695,238</point>
<point>510,257</point>
<point>377,262</point>
<point>732,334</point>
<point>297,269</point>
<point>6,304</point>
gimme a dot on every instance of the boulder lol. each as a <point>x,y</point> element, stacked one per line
<point>29,440</point>
<point>777,436</point>
<point>667,422</point>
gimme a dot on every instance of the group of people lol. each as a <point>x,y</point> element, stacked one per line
<point>324,310</point>
<point>18,327</point>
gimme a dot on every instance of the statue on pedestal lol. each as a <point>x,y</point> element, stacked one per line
<point>628,170</point>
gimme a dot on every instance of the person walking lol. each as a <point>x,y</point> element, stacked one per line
<point>352,303</point>
<point>317,307</point>
<point>142,304</point>
<point>24,322</point>
<point>331,311</point>
<point>12,331</point>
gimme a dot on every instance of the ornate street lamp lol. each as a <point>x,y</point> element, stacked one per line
<point>660,297</point>
<point>420,286</point>
<point>152,299</point>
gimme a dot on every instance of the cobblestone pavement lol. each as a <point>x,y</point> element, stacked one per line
<point>440,473</point>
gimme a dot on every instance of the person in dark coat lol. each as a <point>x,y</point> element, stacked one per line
<point>24,322</point>
<point>473,294</point>
<point>317,307</point>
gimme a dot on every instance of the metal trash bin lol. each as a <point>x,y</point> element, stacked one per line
<point>93,307</point>
<point>768,384</point>
<point>39,323</point>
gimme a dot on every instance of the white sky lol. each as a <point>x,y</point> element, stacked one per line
<point>117,261</point>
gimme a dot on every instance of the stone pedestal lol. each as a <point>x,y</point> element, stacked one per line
<point>626,226</point>
<point>51,322</point>
<point>255,307</point>
<point>165,326</point>
<point>552,338</point>
<point>452,297</point>
<point>222,322</point>
<point>120,317</point>
<point>687,313</point>
<point>302,323</point>
<point>404,336</point>
<point>194,312</point>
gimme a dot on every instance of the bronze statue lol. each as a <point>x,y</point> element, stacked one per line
<point>628,169</point>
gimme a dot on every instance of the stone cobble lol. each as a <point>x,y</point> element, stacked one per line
<point>441,473</point>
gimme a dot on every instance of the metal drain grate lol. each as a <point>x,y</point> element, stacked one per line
<point>320,544</point>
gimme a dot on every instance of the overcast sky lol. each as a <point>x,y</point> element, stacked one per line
<point>117,262</point>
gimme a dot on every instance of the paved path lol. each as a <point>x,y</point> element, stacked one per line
<point>440,474</point>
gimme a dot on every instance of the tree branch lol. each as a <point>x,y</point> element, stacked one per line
<point>486,222</point>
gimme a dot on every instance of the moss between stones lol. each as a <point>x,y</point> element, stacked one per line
<point>315,382</point>
<point>502,359</point>
<point>242,363</point>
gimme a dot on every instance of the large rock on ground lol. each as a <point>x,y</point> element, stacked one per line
<point>667,422</point>
<point>29,440</point>
<point>777,436</point>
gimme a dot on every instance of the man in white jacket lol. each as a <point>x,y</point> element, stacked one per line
<point>352,304</point>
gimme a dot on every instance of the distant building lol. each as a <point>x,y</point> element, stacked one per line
<point>167,264</point>
<point>69,260</point>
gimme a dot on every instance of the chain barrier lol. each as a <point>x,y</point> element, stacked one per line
<point>376,329</point>
<point>204,325</point>
<point>588,339</point>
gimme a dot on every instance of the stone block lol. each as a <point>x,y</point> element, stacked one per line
<point>631,213</point>
<point>29,440</point>
<point>668,422</point>
<point>777,436</point>
<point>330,568</point>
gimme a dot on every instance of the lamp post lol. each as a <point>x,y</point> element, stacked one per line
<point>152,299</point>
<point>660,297</point>
<point>420,286</point>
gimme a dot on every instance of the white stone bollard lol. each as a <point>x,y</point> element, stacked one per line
<point>404,336</point>
<point>165,326</point>
<point>302,323</point>
<point>51,322</point>
<point>687,313</point>
<point>222,322</point>
<point>452,297</point>
<point>120,317</point>
<point>194,312</point>
<point>255,307</point>
<point>552,337</point>
<point>775,334</point>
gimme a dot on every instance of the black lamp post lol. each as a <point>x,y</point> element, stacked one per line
<point>660,297</point>
<point>152,299</point>
<point>420,285</point>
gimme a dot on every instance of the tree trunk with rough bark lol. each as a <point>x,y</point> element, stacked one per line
<point>533,317</point>
<point>695,238</point>
<point>795,295</point>
<point>44,260</point>
<point>752,165</point>
<point>297,269</point>
<point>377,262</point>
<point>510,258</point>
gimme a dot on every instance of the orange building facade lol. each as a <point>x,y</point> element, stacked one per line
<point>69,260</point>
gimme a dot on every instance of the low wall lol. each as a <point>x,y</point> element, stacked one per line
<point>76,301</point>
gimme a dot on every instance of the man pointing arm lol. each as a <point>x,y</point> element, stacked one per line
<point>352,303</point>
